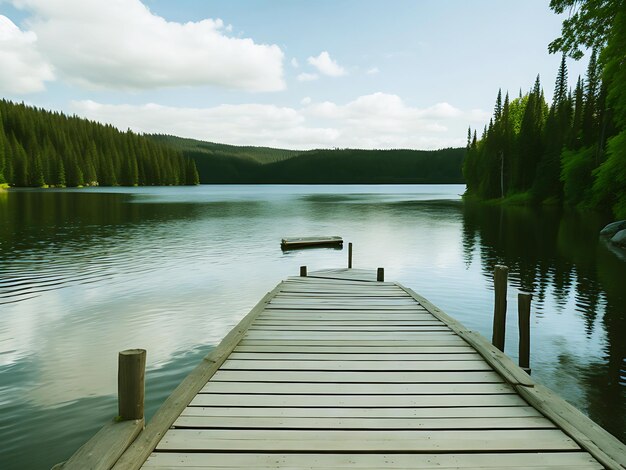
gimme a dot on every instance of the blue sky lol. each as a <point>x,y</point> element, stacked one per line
<point>283,73</point>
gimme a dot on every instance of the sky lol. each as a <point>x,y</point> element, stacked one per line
<point>296,74</point>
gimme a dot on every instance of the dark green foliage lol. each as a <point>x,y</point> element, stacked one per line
<point>369,166</point>
<point>588,24</point>
<point>253,154</point>
<point>575,152</point>
<point>41,148</point>
<point>335,167</point>
<point>609,186</point>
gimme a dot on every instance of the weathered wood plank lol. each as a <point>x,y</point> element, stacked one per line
<point>346,315</point>
<point>106,446</point>
<point>350,328</point>
<point>343,306</point>
<point>341,344</point>
<point>381,351</point>
<point>352,336</point>
<point>364,412</point>
<point>357,389</point>
<point>598,442</point>
<point>284,356</point>
<point>255,399</point>
<point>351,301</point>
<point>356,377</point>
<point>268,321</point>
<point>231,422</point>
<point>476,461</point>
<point>372,441</point>
<point>234,364</point>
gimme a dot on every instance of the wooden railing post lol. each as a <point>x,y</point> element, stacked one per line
<point>350,255</point>
<point>131,375</point>
<point>380,274</point>
<point>302,271</point>
<point>523,310</point>
<point>499,311</point>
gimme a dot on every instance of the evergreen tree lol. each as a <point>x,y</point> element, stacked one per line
<point>38,145</point>
<point>560,88</point>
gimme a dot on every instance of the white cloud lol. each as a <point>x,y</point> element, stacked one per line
<point>307,77</point>
<point>305,101</point>
<point>378,120</point>
<point>294,63</point>
<point>121,44</point>
<point>372,71</point>
<point>22,69</point>
<point>326,66</point>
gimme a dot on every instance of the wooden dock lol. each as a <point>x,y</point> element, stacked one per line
<point>336,370</point>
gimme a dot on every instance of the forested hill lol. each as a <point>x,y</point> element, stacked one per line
<point>228,164</point>
<point>573,150</point>
<point>212,149</point>
<point>41,148</point>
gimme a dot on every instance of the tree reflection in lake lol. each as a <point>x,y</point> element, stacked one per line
<point>558,257</point>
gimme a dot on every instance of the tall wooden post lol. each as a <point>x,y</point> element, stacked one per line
<point>302,271</point>
<point>523,310</point>
<point>131,375</point>
<point>350,255</point>
<point>499,311</point>
<point>380,274</point>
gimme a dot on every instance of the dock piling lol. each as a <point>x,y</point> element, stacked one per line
<point>523,310</point>
<point>302,271</point>
<point>350,255</point>
<point>499,311</point>
<point>131,383</point>
<point>380,274</point>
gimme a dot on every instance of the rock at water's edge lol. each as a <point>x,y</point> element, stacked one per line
<point>619,239</point>
<point>610,230</point>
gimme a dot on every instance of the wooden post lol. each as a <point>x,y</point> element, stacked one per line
<point>523,310</point>
<point>499,311</point>
<point>380,274</point>
<point>350,255</point>
<point>131,375</point>
<point>302,271</point>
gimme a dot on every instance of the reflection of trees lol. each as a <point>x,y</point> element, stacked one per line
<point>549,251</point>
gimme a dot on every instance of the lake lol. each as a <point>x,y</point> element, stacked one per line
<point>86,273</point>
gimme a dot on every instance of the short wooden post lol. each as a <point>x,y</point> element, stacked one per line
<point>523,311</point>
<point>499,312</point>
<point>302,271</point>
<point>380,274</point>
<point>350,255</point>
<point>131,375</point>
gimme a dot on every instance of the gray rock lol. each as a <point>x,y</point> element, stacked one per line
<point>619,239</point>
<point>610,230</point>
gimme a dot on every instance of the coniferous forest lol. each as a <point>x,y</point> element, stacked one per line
<point>39,148</point>
<point>573,150</point>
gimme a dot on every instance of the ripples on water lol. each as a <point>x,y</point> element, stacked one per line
<point>87,273</point>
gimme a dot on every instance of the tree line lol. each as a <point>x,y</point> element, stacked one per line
<point>338,166</point>
<point>40,148</point>
<point>573,150</point>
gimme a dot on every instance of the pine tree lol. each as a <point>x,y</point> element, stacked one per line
<point>560,88</point>
<point>590,112</point>
<point>497,110</point>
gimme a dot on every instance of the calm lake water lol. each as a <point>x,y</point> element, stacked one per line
<point>87,273</point>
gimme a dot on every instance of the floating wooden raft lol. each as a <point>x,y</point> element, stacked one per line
<point>302,242</point>
<point>337,371</point>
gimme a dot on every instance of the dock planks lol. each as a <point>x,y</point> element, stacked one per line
<point>337,371</point>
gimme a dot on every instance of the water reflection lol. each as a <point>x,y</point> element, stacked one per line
<point>84,274</point>
<point>575,281</point>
